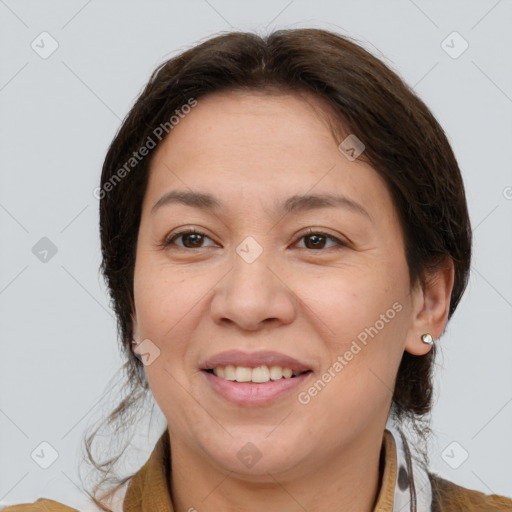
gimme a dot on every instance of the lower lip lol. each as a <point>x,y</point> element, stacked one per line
<point>253,394</point>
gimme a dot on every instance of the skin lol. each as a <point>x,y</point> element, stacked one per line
<point>198,297</point>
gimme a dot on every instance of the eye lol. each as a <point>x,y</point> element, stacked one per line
<point>318,239</point>
<point>191,239</point>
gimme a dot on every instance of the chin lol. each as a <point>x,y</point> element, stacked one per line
<point>259,468</point>
<point>256,453</point>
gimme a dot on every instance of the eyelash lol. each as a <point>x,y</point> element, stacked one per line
<point>169,241</point>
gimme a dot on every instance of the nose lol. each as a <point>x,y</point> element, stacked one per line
<point>253,296</point>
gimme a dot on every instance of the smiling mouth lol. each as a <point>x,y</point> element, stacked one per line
<point>258,375</point>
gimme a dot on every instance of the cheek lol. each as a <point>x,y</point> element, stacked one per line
<point>163,302</point>
<point>363,314</point>
<point>349,300</point>
<point>162,295</point>
<point>169,304</point>
<point>365,350</point>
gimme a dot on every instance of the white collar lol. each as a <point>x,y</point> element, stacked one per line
<point>413,490</point>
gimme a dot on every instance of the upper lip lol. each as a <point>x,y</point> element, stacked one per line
<point>253,360</point>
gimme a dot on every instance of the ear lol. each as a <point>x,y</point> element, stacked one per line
<point>135,331</point>
<point>431,307</point>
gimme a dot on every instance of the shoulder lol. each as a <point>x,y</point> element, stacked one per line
<point>41,505</point>
<point>450,497</point>
<point>47,505</point>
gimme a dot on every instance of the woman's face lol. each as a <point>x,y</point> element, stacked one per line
<point>277,265</point>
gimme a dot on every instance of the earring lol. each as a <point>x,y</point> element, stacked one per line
<point>427,338</point>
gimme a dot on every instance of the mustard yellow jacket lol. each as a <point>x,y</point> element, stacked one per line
<point>148,489</point>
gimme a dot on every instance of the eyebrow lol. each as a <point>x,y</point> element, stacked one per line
<point>294,204</point>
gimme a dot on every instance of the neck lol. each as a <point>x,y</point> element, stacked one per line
<point>349,480</point>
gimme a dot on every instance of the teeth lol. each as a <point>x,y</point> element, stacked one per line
<point>276,372</point>
<point>287,373</point>
<point>259,374</point>
<point>229,372</point>
<point>243,374</point>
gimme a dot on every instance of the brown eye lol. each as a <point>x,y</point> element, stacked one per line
<point>190,240</point>
<point>317,240</point>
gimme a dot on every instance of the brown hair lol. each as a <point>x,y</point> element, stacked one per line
<point>404,144</point>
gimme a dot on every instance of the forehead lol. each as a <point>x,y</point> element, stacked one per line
<point>240,125</point>
<point>245,144</point>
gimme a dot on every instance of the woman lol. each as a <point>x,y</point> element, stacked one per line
<point>285,236</point>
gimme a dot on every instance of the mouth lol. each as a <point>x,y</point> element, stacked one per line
<point>253,378</point>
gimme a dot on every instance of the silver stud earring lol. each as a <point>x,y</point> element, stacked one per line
<point>427,338</point>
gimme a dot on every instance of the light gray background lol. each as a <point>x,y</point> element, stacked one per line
<point>59,114</point>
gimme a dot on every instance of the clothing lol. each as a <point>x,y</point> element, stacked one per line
<point>405,486</point>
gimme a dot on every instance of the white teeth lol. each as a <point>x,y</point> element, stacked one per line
<point>229,372</point>
<point>243,374</point>
<point>259,374</point>
<point>276,372</point>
